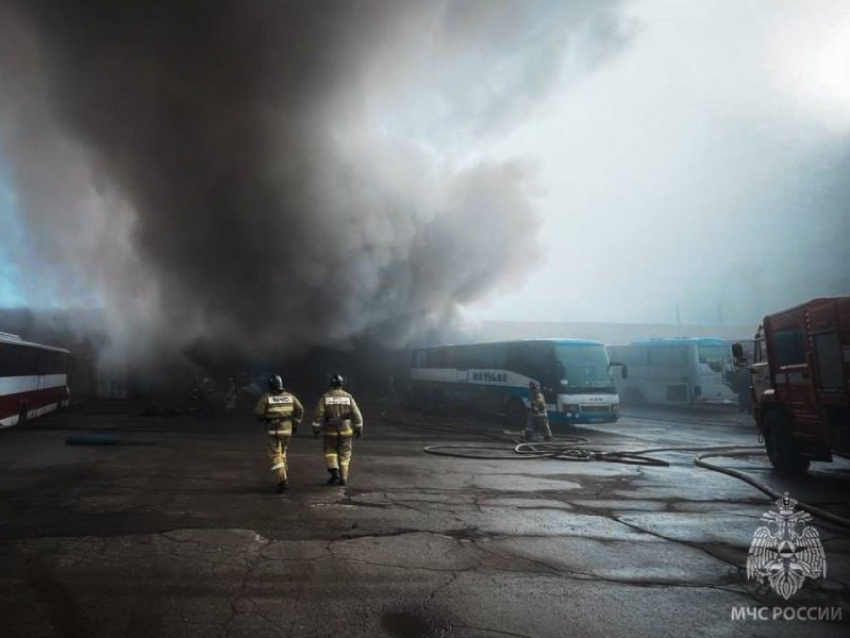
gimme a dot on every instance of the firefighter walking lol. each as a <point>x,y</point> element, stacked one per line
<point>337,419</point>
<point>282,411</point>
<point>538,417</point>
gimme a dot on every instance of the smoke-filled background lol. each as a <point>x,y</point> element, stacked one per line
<point>281,175</point>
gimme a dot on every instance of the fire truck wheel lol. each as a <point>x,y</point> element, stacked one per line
<point>782,450</point>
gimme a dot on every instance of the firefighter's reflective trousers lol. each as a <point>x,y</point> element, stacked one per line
<point>537,423</point>
<point>337,451</point>
<point>277,453</point>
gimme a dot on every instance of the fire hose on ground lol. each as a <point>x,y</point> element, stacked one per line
<point>570,449</point>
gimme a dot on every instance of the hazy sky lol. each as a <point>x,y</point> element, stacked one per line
<point>666,153</point>
<point>708,164</point>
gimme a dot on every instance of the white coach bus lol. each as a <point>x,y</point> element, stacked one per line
<point>574,374</point>
<point>33,379</point>
<point>676,371</point>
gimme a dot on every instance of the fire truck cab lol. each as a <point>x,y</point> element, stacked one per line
<point>801,382</point>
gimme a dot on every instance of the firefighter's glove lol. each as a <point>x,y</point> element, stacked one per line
<point>295,425</point>
<point>357,433</point>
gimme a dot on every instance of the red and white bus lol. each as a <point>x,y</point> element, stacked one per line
<point>33,379</point>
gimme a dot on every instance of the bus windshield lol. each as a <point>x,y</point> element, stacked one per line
<point>714,356</point>
<point>583,366</point>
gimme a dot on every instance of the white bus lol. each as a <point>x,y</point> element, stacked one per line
<point>574,374</point>
<point>679,371</point>
<point>33,379</point>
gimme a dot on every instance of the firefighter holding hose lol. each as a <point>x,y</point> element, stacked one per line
<point>282,411</point>
<point>337,419</point>
<point>538,416</point>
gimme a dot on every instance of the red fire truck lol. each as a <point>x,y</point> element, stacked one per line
<point>801,382</point>
<point>33,379</point>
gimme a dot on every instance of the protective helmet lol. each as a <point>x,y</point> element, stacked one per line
<point>336,381</point>
<point>275,383</point>
<point>533,385</point>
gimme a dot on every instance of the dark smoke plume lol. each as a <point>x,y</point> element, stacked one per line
<point>280,174</point>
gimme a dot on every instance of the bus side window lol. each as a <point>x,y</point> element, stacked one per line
<point>661,356</point>
<point>757,352</point>
<point>34,360</point>
<point>441,358</point>
<point>540,361</point>
<point>13,364</point>
<point>456,358</point>
<point>679,355</point>
<point>476,357</point>
<point>513,358</point>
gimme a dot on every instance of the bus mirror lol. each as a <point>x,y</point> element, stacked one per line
<point>738,357</point>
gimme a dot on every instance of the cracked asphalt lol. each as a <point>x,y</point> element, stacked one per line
<point>177,532</point>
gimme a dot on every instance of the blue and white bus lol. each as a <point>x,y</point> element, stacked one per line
<point>574,374</point>
<point>676,370</point>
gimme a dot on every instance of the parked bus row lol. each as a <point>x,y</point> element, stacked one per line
<point>577,376</point>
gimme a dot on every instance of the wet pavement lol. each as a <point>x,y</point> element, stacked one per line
<point>177,532</point>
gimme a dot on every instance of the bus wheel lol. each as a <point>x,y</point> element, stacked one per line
<point>516,414</point>
<point>782,449</point>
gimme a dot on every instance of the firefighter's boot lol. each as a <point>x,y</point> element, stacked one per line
<point>282,486</point>
<point>334,479</point>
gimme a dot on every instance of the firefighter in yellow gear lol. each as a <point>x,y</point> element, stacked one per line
<point>282,411</point>
<point>337,419</point>
<point>538,416</point>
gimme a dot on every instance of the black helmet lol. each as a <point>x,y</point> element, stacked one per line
<point>275,383</point>
<point>336,381</point>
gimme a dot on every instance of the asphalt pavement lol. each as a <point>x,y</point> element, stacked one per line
<point>177,531</point>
